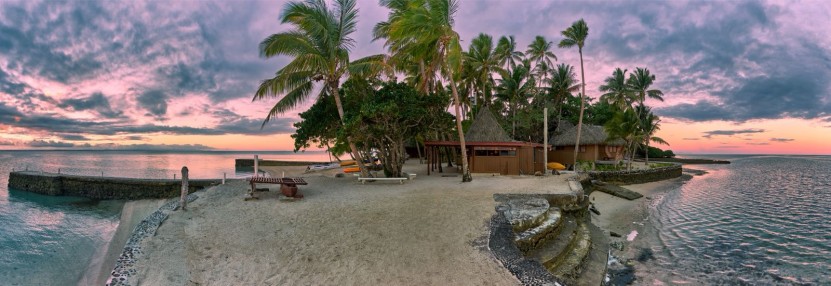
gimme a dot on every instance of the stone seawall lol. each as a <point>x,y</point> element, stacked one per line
<point>102,188</point>
<point>250,163</point>
<point>637,176</point>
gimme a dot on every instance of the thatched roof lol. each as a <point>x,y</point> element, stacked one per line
<point>485,128</point>
<point>589,135</point>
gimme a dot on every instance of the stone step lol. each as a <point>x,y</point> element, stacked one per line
<point>530,238</point>
<point>552,247</point>
<point>594,267</point>
<point>524,213</point>
<point>567,265</point>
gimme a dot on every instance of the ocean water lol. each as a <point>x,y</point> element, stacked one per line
<point>762,220</point>
<point>48,240</point>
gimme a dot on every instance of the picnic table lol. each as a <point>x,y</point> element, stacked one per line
<point>288,186</point>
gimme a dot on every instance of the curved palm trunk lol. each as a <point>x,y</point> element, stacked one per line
<point>465,170</point>
<point>355,153</point>
<point>646,153</point>
<point>582,107</point>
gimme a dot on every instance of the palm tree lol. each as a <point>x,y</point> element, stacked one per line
<point>649,125</point>
<point>562,84</point>
<point>539,52</point>
<point>617,92</point>
<point>626,126</point>
<point>515,87</point>
<point>507,53</point>
<point>484,62</point>
<point>320,43</point>
<point>576,36</point>
<point>640,81</point>
<point>422,30</point>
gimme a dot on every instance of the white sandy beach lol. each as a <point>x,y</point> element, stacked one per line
<point>430,231</point>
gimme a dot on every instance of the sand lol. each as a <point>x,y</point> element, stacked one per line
<point>132,213</point>
<point>430,231</point>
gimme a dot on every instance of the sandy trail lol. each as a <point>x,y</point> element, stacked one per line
<point>430,231</point>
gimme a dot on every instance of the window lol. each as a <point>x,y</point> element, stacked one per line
<point>582,149</point>
<point>494,151</point>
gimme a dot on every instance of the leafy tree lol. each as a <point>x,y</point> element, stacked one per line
<point>625,125</point>
<point>391,116</point>
<point>575,35</point>
<point>422,30</point>
<point>320,43</point>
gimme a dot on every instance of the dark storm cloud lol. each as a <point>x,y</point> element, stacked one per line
<point>781,139</point>
<point>231,123</point>
<point>73,137</point>
<point>154,101</point>
<point>45,143</point>
<point>96,102</point>
<point>708,134</point>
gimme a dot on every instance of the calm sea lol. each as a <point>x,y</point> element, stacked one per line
<point>50,240</point>
<point>762,220</point>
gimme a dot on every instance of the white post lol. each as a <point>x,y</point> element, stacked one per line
<point>223,178</point>
<point>545,141</point>
<point>183,199</point>
<point>256,166</point>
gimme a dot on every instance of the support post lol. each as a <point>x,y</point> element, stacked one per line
<point>59,170</point>
<point>545,141</point>
<point>183,199</point>
<point>224,175</point>
<point>256,165</point>
<point>174,176</point>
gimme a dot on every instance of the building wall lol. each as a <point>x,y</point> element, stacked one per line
<point>565,154</point>
<point>523,163</point>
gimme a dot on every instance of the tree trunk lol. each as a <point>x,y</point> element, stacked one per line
<point>355,153</point>
<point>647,151</point>
<point>465,170</point>
<point>513,121</point>
<point>582,107</point>
<point>418,149</point>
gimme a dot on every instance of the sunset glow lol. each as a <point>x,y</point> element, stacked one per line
<point>738,77</point>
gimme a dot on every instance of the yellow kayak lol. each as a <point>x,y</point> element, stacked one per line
<point>347,163</point>
<point>556,166</point>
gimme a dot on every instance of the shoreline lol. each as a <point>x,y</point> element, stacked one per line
<point>132,213</point>
<point>626,220</point>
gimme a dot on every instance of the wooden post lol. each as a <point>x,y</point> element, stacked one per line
<point>183,199</point>
<point>59,170</point>
<point>224,175</point>
<point>256,166</point>
<point>174,176</point>
<point>545,142</point>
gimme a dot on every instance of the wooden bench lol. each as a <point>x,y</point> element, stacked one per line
<point>400,180</point>
<point>288,186</point>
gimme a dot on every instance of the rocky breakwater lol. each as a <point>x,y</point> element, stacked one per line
<point>548,240</point>
<point>638,176</point>
<point>102,188</point>
<point>125,265</point>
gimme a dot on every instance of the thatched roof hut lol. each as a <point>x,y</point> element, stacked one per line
<point>485,128</point>
<point>590,135</point>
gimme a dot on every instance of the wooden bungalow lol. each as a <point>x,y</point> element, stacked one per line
<point>594,145</point>
<point>489,150</point>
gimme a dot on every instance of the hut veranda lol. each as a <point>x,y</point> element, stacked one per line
<point>490,150</point>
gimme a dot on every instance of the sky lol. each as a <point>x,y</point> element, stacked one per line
<point>749,77</point>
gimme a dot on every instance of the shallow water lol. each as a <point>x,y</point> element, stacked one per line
<point>762,220</point>
<point>48,240</point>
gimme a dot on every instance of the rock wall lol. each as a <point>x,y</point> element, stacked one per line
<point>102,188</point>
<point>637,176</point>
